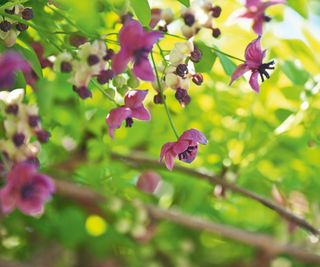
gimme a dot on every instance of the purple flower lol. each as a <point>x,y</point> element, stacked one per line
<point>11,62</point>
<point>186,148</point>
<point>254,57</point>
<point>256,12</point>
<point>26,190</point>
<point>135,44</point>
<point>132,108</point>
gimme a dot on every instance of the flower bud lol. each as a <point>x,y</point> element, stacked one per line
<point>149,181</point>
<point>5,26</point>
<point>12,109</point>
<point>105,76</point>
<point>182,70</point>
<point>180,94</point>
<point>65,66</point>
<point>93,60</point>
<point>197,78</point>
<point>18,139</point>
<point>167,15</point>
<point>21,27</point>
<point>216,12</point>
<point>109,55</point>
<point>157,99</point>
<point>43,136</point>
<point>189,19</point>
<point>119,81</point>
<point>216,32</point>
<point>27,13</point>
<point>133,82</point>
<point>195,55</point>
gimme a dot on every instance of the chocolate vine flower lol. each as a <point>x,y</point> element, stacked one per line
<point>254,62</point>
<point>136,44</point>
<point>256,12</point>
<point>26,190</point>
<point>132,108</point>
<point>186,148</point>
<point>10,63</point>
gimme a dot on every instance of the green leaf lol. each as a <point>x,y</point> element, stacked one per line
<point>142,10</point>
<point>297,75</point>
<point>31,56</point>
<point>207,60</point>
<point>226,63</point>
<point>301,6</point>
<point>185,2</point>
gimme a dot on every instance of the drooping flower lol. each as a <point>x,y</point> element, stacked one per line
<point>186,148</point>
<point>26,189</point>
<point>132,108</point>
<point>254,56</point>
<point>10,63</point>
<point>255,10</point>
<point>136,44</point>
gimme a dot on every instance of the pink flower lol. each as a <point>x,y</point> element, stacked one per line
<point>149,182</point>
<point>135,44</point>
<point>254,57</point>
<point>186,148</point>
<point>256,12</point>
<point>26,190</point>
<point>10,63</point>
<point>132,108</point>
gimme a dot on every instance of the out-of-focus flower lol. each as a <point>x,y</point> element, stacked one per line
<point>26,189</point>
<point>149,181</point>
<point>254,62</point>
<point>132,108</point>
<point>255,10</point>
<point>186,148</point>
<point>10,63</point>
<point>136,44</point>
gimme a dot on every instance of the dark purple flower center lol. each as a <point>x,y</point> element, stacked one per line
<point>5,26</point>
<point>33,120</point>
<point>12,109</point>
<point>140,54</point>
<point>43,136</point>
<point>27,191</point>
<point>182,70</point>
<point>195,55</point>
<point>105,76</point>
<point>185,154</point>
<point>65,66</point>
<point>129,122</point>
<point>216,11</point>
<point>27,13</point>
<point>21,27</point>
<point>263,69</point>
<point>93,60</point>
<point>18,139</point>
<point>267,18</point>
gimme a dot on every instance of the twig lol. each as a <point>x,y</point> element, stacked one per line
<point>260,241</point>
<point>214,179</point>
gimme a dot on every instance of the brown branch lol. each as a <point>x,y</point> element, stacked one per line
<point>139,162</point>
<point>264,242</point>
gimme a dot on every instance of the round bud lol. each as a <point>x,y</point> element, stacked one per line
<point>133,82</point>
<point>182,70</point>
<point>197,78</point>
<point>105,76</point>
<point>109,54</point>
<point>5,26</point>
<point>216,32</point>
<point>18,139</point>
<point>157,99</point>
<point>189,19</point>
<point>27,13</point>
<point>216,12</point>
<point>21,27</point>
<point>180,94</point>
<point>33,121</point>
<point>195,55</point>
<point>43,136</point>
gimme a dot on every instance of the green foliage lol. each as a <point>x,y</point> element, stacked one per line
<point>142,10</point>
<point>207,60</point>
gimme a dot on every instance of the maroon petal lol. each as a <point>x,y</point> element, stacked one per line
<point>116,117</point>
<point>134,98</point>
<point>240,70</point>
<point>130,34</point>
<point>120,61</point>
<point>254,81</point>
<point>258,24</point>
<point>141,113</point>
<point>143,70</point>
<point>252,3</point>
<point>194,136</point>
<point>254,54</point>
<point>165,148</point>
<point>150,38</point>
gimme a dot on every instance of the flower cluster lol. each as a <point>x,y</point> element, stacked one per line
<point>9,28</point>
<point>26,189</point>
<point>21,123</point>
<point>179,72</point>
<point>91,61</point>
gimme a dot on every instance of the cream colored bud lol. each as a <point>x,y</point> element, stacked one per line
<point>167,15</point>
<point>172,80</point>
<point>187,31</point>
<point>13,97</point>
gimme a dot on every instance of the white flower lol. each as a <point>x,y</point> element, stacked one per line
<point>13,97</point>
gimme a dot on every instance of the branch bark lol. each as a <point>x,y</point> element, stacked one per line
<point>139,162</point>
<point>92,201</point>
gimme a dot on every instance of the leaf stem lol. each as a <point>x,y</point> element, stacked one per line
<point>226,54</point>
<point>104,92</point>
<point>163,98</point>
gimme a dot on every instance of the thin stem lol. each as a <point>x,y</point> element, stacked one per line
<point>163,98</point>
<point>104,92</point>
<point>226,54</point>
<point>175,36</point>
<point>11,4</point>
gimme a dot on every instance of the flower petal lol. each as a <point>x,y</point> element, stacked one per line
<point>180,146</point>
<point>115,118</point>
<point>169,160</point>
<point>252,3</point>
<point>130,34</point>
<point>8,199</point>
<point>165,148</point>
<point>143,70</point>
<point>150,38</point>
<point>254,81</point>
<point>134,98</point>
<point>239,71</point>
<point>190,155</point>
<point>141,113</point>
<point>254,54</point>
<point>120,61</point>
<point>194,136</point>
<point>258,24</point>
